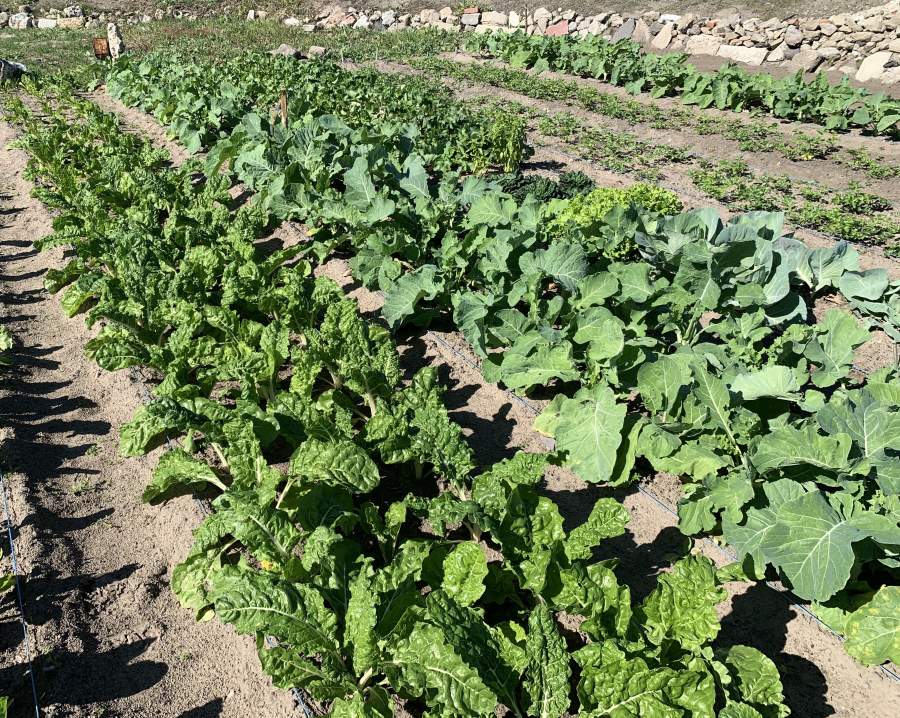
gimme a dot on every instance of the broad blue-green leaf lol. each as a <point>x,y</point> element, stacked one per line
<point>873,426</point>
<point>749,537</point>
<point>594,289</point>
<point>563,261</point>
<point>604,332</point>
<point>692,460</point>
<point>833,349</point>
<point>400,300</point>
<point>812,544</point>
<point>589,430</point>
<point>660,381</point>
<point>522,371</point>
<point>718,497</point>
<point>491,209</point>
<point>776,381</point>
<point>788,446</point>
<point>713,394</point>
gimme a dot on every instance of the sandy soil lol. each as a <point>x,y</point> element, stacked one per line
<point>820,679</point>
<point>109,636</point>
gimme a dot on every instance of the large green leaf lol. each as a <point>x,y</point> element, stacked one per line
<point>755,678</point>
<point>812,544</point>
<point>548,670</point>
<point>838,336</point>
<point>338,463</point>
<point>254,602</point>
<point>608,518</point>
<point>589,430</point>
<point>425,665</point>
<point>465,569</point>
<point>523,371</point>
<point>775,381</point>
<point>660,382</point>
<point>682,607</point>
<point>788,446</point>
<point>401,300</point>
<point>873,630</point>
<point>178,473</point>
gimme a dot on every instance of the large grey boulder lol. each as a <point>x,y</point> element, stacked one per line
<point>625,30</point>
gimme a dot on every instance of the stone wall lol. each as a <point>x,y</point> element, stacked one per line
<point>864,45</point>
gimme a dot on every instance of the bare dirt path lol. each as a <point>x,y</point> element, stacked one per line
<point>820,678</point>
<point>109,636</point>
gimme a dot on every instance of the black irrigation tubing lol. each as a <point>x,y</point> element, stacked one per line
<point>20,596</point>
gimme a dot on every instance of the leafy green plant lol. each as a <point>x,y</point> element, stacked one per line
<point>588,212</point>
<point>567,186</point>
<point>860,159</point>
<point>624,63</point>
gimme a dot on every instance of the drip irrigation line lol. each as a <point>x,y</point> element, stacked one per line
<point>664,505</point>
<point>19,595</point>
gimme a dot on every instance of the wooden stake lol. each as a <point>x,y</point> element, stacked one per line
<point>284,114</point>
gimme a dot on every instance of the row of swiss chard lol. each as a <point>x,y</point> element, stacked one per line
<point>350,521</point>
<point>677,343</point>
<point>624,63</point>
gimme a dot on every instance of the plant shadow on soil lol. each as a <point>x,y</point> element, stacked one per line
<point>69,678</point>
<point>210,709</point>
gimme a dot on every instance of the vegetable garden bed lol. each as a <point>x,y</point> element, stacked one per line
<point>351,519</point>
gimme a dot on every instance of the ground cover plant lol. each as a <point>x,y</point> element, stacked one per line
<point>682,343</point>
<point>624,63</point>
<point>350,523</point>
